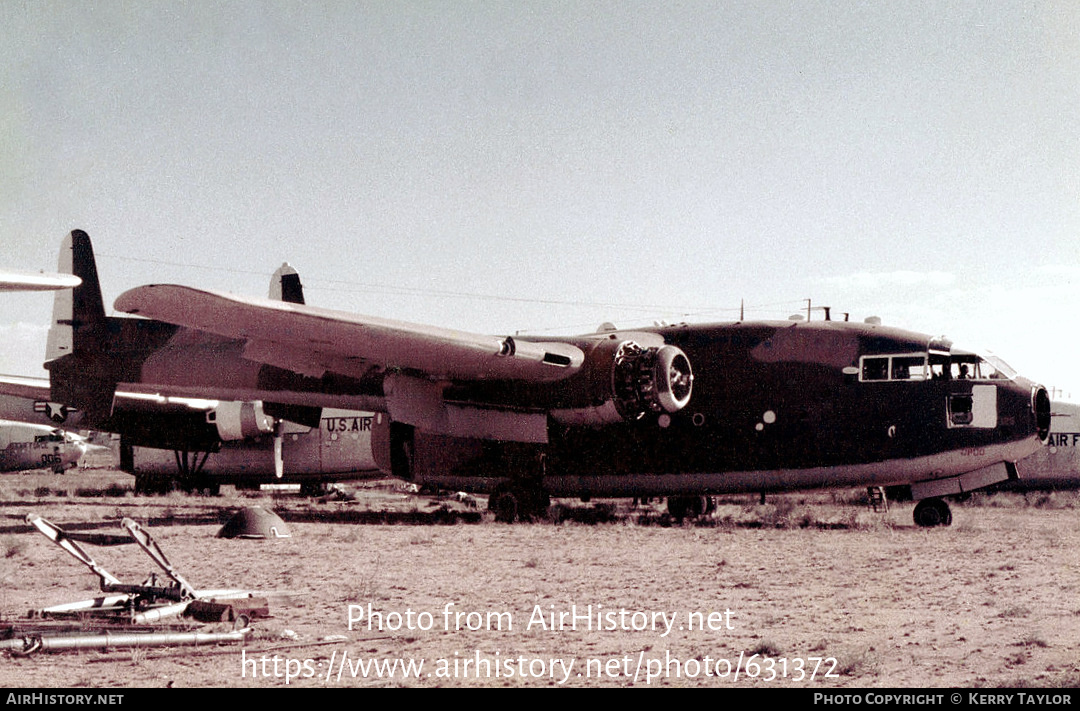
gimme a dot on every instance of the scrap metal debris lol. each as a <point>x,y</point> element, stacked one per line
<point>119,618</point>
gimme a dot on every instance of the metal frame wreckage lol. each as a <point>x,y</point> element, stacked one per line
<point>122,616</point>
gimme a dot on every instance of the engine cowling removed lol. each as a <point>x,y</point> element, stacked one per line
<point>631,381</point>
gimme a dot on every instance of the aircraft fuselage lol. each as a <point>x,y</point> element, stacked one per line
<point>780,406</point>
<point>339,449</point>
<point>775,406</point>
<point>24,447</point>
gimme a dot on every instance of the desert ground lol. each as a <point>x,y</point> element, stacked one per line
<point>807,590</point>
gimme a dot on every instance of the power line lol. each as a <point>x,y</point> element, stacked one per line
<point>341,285</point>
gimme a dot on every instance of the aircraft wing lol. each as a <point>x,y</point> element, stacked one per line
<point>36,281</point>
<point>24,399</point>
<point>311,340</point>
<point>24,387</point>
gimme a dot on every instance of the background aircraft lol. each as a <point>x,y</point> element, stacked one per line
<point>24,446</point>
<point>769,406</point>
<point>337,449</point>
<point>198,444</point>
<point>11,280</point>
<point>1056,465</point>
<point>204,444</point>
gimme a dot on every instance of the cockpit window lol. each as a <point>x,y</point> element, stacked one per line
<point>895,367</point>
<point>961,365</point>
<point>875,369</point>
<point>1001,369</point>
<point>909,367</point>
<point>936,364</point>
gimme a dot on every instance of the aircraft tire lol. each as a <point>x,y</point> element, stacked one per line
<point>518,503</point>
<point>200,487</point>
<point>933,512</point>
<point>682,507</point>
<point>150,485</point>
<point>314,488</point>
<point>676,507</point>
<point>504,503</point>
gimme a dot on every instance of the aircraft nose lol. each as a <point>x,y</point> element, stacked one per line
<point>1040,407</point>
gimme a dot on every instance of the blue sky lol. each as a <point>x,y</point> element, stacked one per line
<point>547,166</point>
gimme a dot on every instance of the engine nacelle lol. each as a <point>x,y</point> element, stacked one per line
<point>630,381</point>
<point>240,420</point>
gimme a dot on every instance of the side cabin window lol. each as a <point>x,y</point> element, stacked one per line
<point>906,367</point>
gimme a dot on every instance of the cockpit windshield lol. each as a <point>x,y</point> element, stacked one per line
<point>1004,369</point>
<point>940,362</point>
<point>964,365</point>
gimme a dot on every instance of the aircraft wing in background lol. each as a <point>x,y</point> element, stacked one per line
<point>25,399</point>
<point>36,281</point>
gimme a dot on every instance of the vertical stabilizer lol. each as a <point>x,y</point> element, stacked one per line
<point>78,313</point>
<point>285,285</point>
<point>77,357</point>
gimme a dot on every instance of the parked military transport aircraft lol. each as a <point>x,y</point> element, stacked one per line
<point>337,449</point>
<point>198,444</point>
<point>1057,465</point>
<point>678,411</point>
<point>24,446</point>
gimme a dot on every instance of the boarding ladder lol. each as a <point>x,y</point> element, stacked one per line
<point>878,500</point>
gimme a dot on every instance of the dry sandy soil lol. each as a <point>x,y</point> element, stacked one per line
<point>825,592</point>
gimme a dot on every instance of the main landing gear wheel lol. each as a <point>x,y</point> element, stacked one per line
<point>504,503</point>
<point>680,507</point>
<point>146,484</point>
<point>932,512</point>
<point>314,488</point>
<point>511,503</point>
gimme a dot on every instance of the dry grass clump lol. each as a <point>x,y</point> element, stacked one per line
<point>12,546</point>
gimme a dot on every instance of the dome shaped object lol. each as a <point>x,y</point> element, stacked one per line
<point>255,522</point>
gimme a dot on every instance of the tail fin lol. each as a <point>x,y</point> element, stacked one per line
<point>285,285</point>
<point>79,313</point>
<point>78,336</point>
